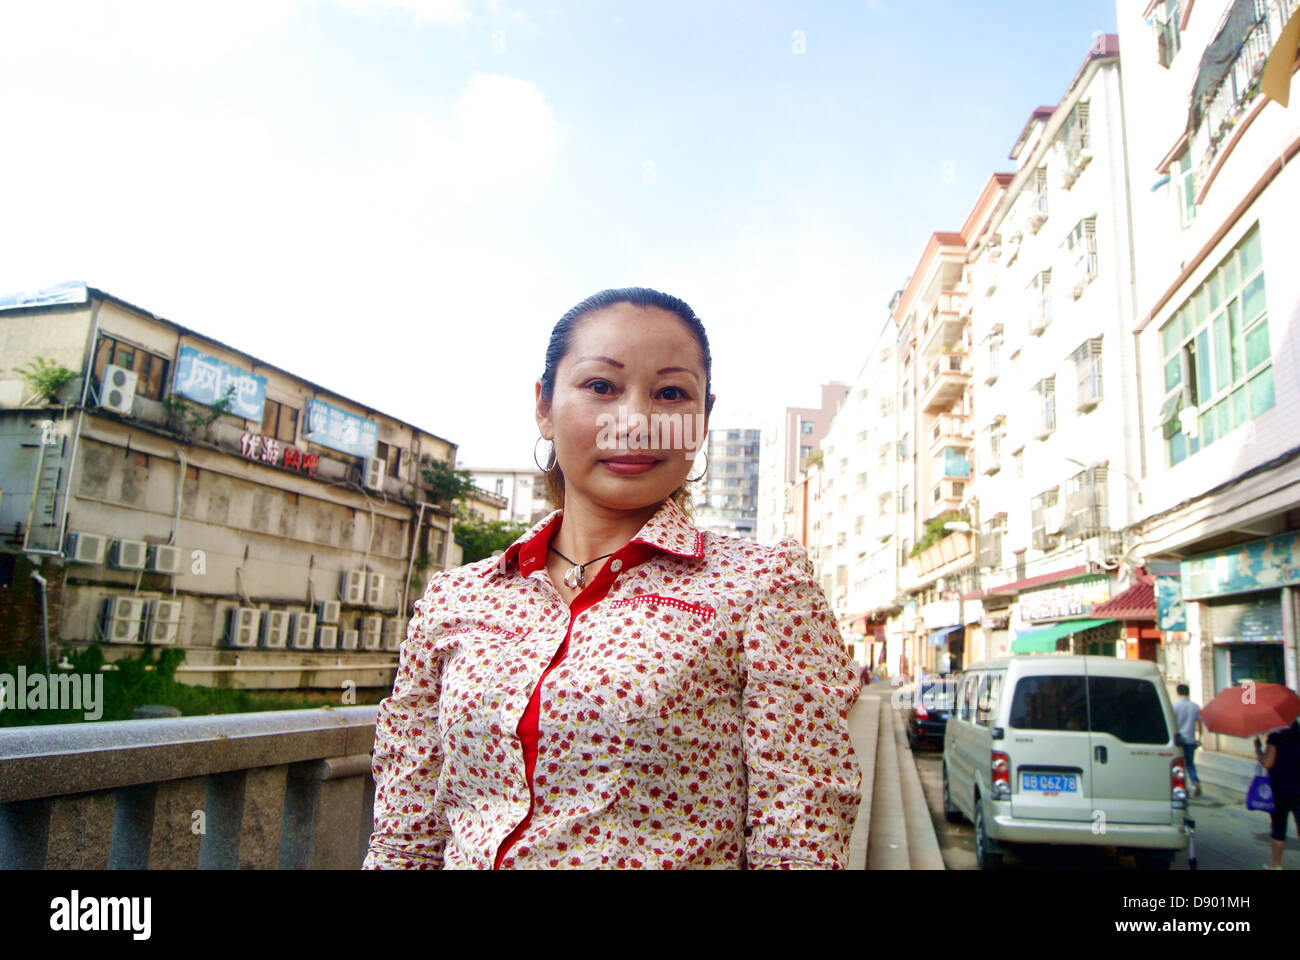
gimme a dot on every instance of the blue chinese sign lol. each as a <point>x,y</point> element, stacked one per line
<point>1171,612</point>
<point>207,380</point>
<point>339,430</point>
<point>1258,565</point>
<point>59,293</point>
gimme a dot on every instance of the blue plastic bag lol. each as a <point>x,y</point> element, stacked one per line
<point>1260,795</point>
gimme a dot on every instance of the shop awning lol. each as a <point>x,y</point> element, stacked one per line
<point>938,637</point>
<point>1044,640</point>
<point>1138,602</point>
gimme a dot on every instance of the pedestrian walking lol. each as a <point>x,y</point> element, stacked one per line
<point>1187,714</point>
<point>620,688</point>
<point>1281,759</point>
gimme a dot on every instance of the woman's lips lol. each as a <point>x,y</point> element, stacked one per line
<point>630,466</point>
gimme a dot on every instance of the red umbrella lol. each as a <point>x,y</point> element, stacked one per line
<point>1251,708</point>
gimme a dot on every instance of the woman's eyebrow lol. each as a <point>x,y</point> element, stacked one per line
<point>614,363</point>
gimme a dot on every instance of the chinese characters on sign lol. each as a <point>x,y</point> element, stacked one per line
<point>1069,600</point>
<point>268,450</point>
<point>339,430</point>
<point>206,380</point>
<point>1257,565</point>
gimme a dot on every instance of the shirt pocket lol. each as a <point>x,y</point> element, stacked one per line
<point>472,658</point>
<point>647,656</point>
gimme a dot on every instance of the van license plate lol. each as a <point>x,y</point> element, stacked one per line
<point>1050,782</point>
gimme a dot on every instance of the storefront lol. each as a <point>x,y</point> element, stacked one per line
<point>1244,609</point>
<point>1061,619</point>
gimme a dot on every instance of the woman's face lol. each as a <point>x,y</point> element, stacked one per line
<point>631,388</point>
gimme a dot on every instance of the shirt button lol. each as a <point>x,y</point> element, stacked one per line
<point>616,565</point>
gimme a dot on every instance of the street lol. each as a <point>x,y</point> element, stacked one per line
<point>1228,836</point>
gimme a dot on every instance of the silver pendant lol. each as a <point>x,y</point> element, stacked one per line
<point>573,578</point>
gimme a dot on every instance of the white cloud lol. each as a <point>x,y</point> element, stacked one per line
<point>443,12</point>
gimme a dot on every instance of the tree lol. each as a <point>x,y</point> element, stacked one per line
<point>481,538</point>
<point>444,482</point>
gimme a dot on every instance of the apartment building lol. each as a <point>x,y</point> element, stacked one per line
<point>727,497</point>
<point>180,492</point>
<point>524,492</point>
<point>787,442</point>
<point>1213,133</point>
<point>856,546</point>
<point>1057,442</point>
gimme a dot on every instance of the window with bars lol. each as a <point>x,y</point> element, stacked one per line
<point>1086,512</point>
<point>1040,192</point>
<point>1081,246</point>
<point>1040,300</point>
<point>1076,135</point>
<point>1168,35</point>
<point>1217,354</point>
<point>1087,368</point>
<point>1184,177</point>
<point>1046,420</point>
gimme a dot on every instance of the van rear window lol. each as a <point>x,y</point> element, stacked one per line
<point>1128,708</point>
<point>1049,703</point>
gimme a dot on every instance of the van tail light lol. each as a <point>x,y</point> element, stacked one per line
<point>1178,782</point>
<point>1000,767</point>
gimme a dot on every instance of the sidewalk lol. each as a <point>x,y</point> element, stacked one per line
<point>893,830</point>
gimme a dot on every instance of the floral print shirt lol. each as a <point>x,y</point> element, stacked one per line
<point>689,710</point>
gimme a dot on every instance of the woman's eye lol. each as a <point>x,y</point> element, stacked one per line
<point>597,385</point>
<point>679,393</point>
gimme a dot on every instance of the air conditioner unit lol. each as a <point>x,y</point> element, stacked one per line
<point>394,633</point>
<point>328,611</point>
<point>348,639</point>
<point>375,590</point>
<point>275,629</point>
<point>123,619</point>
<point>165,621</point>
<point>128,554</point>
<point>374,473</point>
<point>352,587</point>
<point>117,390</point>
<point>164,559</point>
<point>327,638</point>
<point>302,632</point>
<point>242,624</point>
<point>372,636</point>
<point>85,547</point>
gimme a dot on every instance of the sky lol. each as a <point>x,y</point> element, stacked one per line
<point>397,199</point>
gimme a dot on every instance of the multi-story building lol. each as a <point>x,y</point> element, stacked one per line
<point>728,502</point>
<point>857,553</point>
<point>177,491</point>
<point>1057,444</point>
<point>1212,157</point>
<point>524,491</point>
<point>787,443</point>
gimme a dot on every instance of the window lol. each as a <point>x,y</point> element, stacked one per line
<point>1081,244</point>
<point>1050,703</point>
<point>1076,134</point>
<point>806,427</point>
<point>859,525</point>
<point>1217,354</point>
<point>391,456</point>
<point>1184,177</point>
<point>1046,422</point>
<point>1087,368</point>
<point>905,447</point>
<point>501,487</point>
<point>1168,35</point>
<point>904,504</point>
<point>907,395</point>
<point>991,371</point>
<point>1040,193</point>
<point>860,483</point>
<point>883,504</point>
<point>150,368</point>
<point>986,706</point>
<point>280,420</point>
<point>884,452</point>
<point>1040,301</point>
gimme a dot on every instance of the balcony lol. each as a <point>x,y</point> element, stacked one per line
<point>949,432</point>
<point>285,789</point>
<point>954,549</point>
<point>945,382</point>
<point>945,497</point>
<point>944,328</point>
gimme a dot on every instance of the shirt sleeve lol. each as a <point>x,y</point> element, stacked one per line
<point>410,827</point>
<point>804,784</point>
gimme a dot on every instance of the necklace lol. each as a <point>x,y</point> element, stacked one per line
<point>573,577</point>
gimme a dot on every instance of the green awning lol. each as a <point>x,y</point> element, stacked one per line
<point>1044,640</point>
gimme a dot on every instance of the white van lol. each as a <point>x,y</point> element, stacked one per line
<point>1066,749</point>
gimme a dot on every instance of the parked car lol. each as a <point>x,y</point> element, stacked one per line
<point>929,704</point>
<point>1067,750</point>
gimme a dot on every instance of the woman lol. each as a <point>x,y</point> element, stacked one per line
<point>620,689</point>
<point>1282,761</point>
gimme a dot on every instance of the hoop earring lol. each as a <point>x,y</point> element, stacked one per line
<point>704,471</point>
<point>552,457</point>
